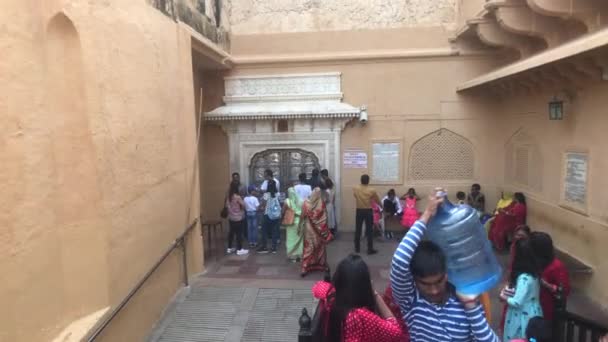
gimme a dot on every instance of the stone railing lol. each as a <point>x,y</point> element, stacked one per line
<point>194,16</point>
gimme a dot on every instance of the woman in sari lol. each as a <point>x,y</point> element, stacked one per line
<point>316,233</point>
<point>506,199</point>
<point>507,220</point>
<point>294,237</point>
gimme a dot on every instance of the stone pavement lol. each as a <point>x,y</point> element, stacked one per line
<point>260,297</point>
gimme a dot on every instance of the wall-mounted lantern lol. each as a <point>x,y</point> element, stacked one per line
<point>556,109</point>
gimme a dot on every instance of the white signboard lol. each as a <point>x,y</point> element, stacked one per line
<point>355,159</point>
<point>386,162</point>
<point>575,181</point>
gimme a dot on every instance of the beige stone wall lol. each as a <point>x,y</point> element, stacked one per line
<point>408,98</point>
<point>97,148</point>
<point>264,16</point>
<point>583,129</point>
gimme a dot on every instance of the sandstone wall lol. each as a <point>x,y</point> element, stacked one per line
<point>97,147</point>
<point>411,97</point>
<point>583,234</point>
<point>270,16</point>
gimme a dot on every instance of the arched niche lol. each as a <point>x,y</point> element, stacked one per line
<point>75,197</point>
<point>523,161</point>
<point>442,155</point>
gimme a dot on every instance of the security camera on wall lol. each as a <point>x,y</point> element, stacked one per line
<point>363,115</point>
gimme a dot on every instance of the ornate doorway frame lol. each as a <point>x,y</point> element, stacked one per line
<point>259,108</point>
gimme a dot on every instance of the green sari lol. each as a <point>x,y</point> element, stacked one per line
<point>294,238</point>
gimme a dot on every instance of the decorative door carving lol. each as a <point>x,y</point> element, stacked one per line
<point>285,164</point>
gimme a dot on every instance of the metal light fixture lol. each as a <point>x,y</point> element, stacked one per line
<point>363,115</point>
<point>556,109</point>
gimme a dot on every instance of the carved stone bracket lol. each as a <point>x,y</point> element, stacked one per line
<point>531,26</point>
<point>592,13</point>
<point>516,17</point>
<point>490,32</point>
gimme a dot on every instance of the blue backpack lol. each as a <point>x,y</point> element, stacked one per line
<point>273,208</point>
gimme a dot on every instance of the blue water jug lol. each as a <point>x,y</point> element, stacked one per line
<point>472,265</point>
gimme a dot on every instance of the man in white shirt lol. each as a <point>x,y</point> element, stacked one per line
<point>391,204</point>
<point>302,189</point>
<point>268,175</point>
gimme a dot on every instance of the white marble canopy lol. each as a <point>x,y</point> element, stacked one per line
<point>296,96</point>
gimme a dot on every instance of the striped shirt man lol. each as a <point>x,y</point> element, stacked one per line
<point>428,322</point>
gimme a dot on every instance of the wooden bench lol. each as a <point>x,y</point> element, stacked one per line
<point>311,330</point>
<point>574,265</point>
<point>213,244</point>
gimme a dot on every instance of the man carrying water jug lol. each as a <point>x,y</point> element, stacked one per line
<point>434,311</point>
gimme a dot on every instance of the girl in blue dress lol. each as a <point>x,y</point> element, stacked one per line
<point>522,295</point>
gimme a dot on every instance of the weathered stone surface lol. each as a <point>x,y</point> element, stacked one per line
<point>266,16</point>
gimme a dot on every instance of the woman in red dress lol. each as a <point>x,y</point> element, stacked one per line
<point>554,273</point>
<point>507,220</point>
<point>356,312</point>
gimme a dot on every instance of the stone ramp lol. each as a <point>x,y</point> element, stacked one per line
<point>225,314</point>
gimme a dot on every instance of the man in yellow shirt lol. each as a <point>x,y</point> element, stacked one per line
<point>364,196</point>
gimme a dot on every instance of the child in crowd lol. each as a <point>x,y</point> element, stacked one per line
<point>252,204</point>
<point>461,197</point>
<point>378,219</point>
<point>522,294</point>
<point>476,199</point>
<point>410,214</point>
<point>538,330</point>
<point>521,233</point>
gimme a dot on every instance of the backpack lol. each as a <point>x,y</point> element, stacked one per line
<point>273,208</point>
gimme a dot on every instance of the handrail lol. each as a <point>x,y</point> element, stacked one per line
<point>564,323</point>
<point>179,242</point>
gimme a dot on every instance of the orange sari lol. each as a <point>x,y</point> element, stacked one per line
<point>313,222</point>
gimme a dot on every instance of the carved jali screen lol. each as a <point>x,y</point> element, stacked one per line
<point>285,164</point>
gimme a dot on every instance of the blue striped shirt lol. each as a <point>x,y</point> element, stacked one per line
<point>429,322</point>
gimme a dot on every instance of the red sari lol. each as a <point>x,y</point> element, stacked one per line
<point>505,223</point>
<point>361,324</point>
<point>316,233</point>
<point>555,274</point>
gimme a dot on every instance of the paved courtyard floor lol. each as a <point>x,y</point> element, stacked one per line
<point>260,297</point>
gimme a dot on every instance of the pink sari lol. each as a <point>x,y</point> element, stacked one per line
<point>316,233</point>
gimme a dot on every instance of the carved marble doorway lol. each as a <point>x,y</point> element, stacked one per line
<point>286,164</point>
<point>287,123</point>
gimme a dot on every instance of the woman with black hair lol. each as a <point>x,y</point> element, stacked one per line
<point>272,217</point>
<point>236,219</point>
<point>508,220</point>
<point>522,293</point>
<point>357,313</point>
<point>553,272</point>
